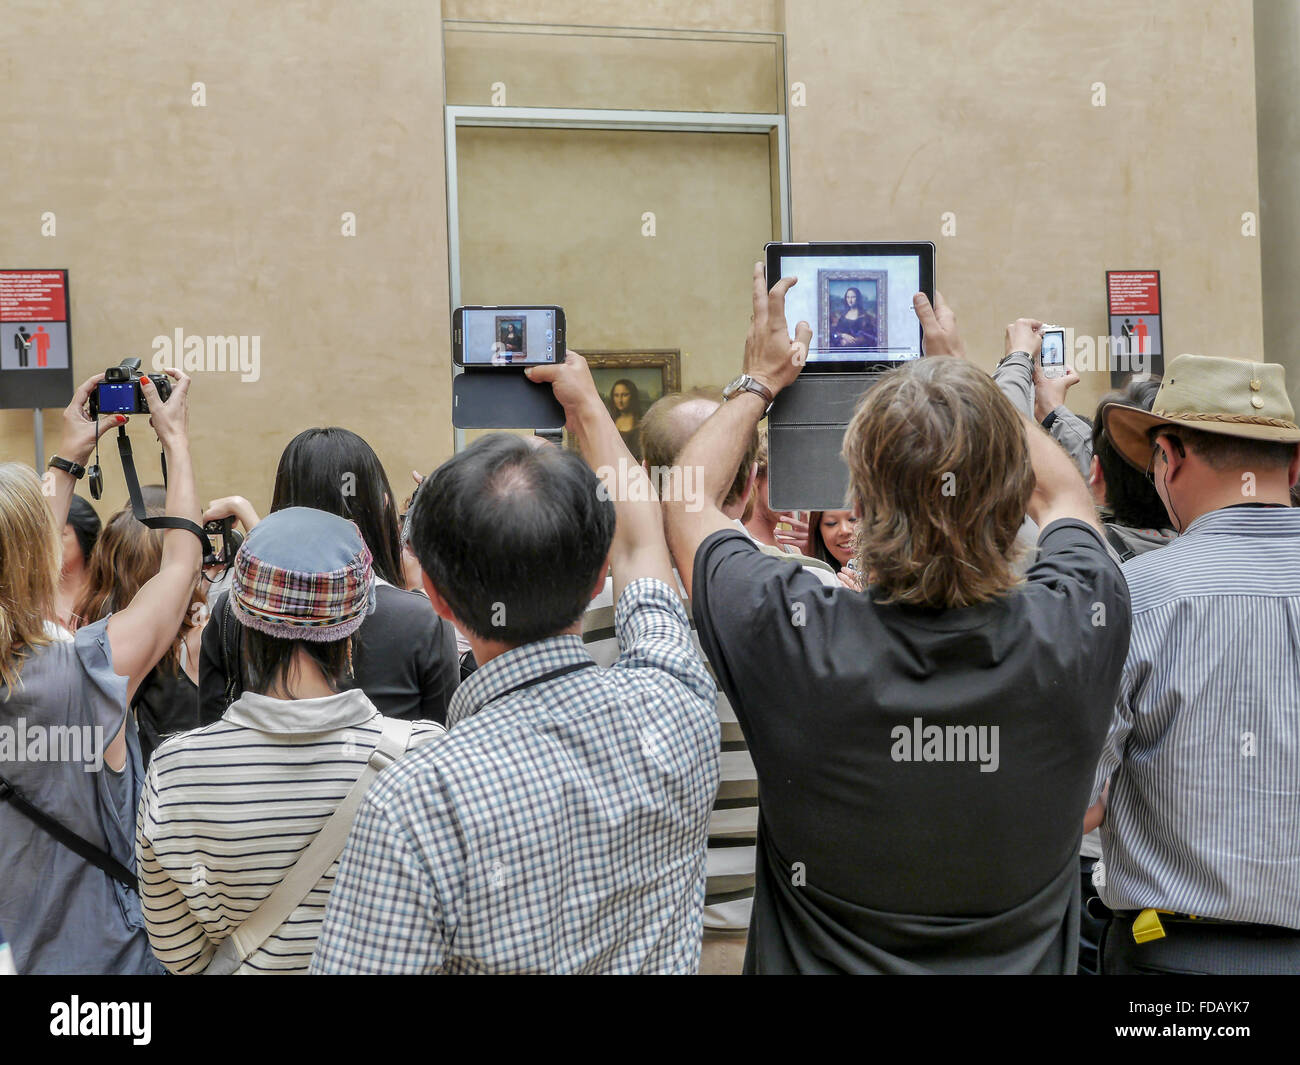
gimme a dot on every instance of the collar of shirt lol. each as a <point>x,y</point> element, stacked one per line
<point>345,710</point>
<point>1246,521</point>
<point>516,668</point>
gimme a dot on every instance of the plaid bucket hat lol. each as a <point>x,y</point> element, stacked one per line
<point>303,574</point>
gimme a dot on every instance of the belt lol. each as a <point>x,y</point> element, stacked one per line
<point>1147,924</point>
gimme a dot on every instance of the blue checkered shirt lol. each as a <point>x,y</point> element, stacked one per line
<point>558,827</point>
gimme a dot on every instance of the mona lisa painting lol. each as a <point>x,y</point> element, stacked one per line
<point>629,381</point>
<point>853,306</point>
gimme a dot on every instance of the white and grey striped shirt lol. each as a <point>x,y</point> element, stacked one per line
<point>1203,753</point>
<point>226,811</point>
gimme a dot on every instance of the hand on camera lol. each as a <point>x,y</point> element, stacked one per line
<point>1025,334</point>
<point>850,579</point>
<point>231,506</point>
<point>771,357</point>
<point>170,420</point>
<point>80,430</point>
<point>938,326</point>
<point>574,388</point>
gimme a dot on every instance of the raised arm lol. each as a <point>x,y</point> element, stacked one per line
<point>638,549</point>
<point>773,360</point>
<point>1066,428</point>
<point>140,634</point>
<point>1059,491</point>
<point>80,431</point>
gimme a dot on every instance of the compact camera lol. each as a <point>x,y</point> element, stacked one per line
<point>120,393</point>
<point>231,538</point>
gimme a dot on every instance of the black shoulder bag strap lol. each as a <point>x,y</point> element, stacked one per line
<point>551,674</point>
<point>231,663</point>
<point>87,850</point>
<point>137,500</point>
<point>1117,542</point>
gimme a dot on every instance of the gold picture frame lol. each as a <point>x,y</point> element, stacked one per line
<point>642,376</point>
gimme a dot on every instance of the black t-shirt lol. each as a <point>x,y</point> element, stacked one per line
<point>874,854</point>
<point>166,702</point>
<point>404,659</point>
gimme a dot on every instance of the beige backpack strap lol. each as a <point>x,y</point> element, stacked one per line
<point>314,862</point>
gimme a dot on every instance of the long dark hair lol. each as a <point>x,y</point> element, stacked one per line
<point>85,526</point>
<point>1131,499</point>
<point>334,470</point>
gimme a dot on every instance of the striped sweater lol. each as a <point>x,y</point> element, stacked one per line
<point>226,811</point>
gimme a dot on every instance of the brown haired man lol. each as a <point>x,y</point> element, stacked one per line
<point>924,747</point>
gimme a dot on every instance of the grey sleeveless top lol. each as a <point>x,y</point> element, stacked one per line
<point>62,914</point>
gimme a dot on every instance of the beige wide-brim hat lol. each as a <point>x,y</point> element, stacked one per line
<point>1227,396</point>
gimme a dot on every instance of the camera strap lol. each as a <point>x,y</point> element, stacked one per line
<point>137,500</point>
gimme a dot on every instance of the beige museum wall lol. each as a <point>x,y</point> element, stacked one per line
<point>1277,87</point>
<point>620,290</point>
<point>985,110</point>
<point>226,219</point>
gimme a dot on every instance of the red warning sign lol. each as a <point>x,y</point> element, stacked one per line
<point>33,296</point>
<point>1133,291</point>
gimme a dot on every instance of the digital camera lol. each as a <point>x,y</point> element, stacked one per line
<point>120,393</point>
<point>229,537</point>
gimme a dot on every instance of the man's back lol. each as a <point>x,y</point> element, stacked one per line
<point>558,827</point>
<point>1205,745</point>
<point>922,774</point>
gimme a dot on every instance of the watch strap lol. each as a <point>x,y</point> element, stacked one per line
<point>745,383</point>
<point>75,469</point>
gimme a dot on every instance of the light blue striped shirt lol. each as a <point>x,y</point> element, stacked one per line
<point>1204,749</point>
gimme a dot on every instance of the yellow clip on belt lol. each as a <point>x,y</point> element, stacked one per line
<point>1146,925</point>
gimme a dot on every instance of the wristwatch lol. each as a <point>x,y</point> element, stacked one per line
<point>68,466</point>
<point>745,383</point>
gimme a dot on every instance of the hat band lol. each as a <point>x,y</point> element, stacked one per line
<point>1236,419</point>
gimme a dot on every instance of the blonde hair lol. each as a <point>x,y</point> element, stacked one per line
<point>30,559</point>
<point>940,473</point>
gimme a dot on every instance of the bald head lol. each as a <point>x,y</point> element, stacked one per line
<point>671,422</point>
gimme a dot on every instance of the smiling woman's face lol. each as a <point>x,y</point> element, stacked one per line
<point>850,298</point>
<point>838,528</point>
<point>621,397</point>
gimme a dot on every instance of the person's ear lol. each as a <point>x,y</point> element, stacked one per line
<point>1293,471</point>
<point>600,580</point>
<point>1175,455</point>
<point>440,606</point>
<point>749,481</point>
<point>1096,480</point>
